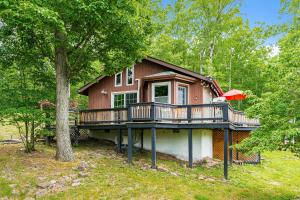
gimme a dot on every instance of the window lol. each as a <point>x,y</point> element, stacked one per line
<point>131,98</point>
<point>129,76</point>
<point>182,95</point>
<point>161,92</point>
<point>122,100</point>
<point>119,100</point>
<point>118,79</point>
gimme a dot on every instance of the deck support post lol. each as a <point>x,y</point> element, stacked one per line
<point>190,141</point>
<point>129,145</point>
<point>230,144</point>
<point>226,153</point>
<point>119,141</point>
<point>142,139</point>
<point>153,147</point>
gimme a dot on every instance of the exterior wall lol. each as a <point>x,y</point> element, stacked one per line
<point>168,142</point>
<point>99,100</point>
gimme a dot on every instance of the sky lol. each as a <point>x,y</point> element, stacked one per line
<point>266,11</point>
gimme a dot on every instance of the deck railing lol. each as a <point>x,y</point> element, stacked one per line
<point>142,112</point>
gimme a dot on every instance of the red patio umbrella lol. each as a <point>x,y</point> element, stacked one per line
<point>234,95</point>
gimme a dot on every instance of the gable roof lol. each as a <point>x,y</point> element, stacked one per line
<point>213,83</point>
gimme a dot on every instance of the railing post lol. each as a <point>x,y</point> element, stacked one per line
<point>129,114</point>
<point>189,113</point>
<point>230,144</point>
<point>225,112</point>
<point>118,116</point>
<point>152,112</point>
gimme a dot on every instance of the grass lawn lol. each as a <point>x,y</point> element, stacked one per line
<point>8,132</point>
<point>110,177</point>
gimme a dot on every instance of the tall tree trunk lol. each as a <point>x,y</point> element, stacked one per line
<point>64,150</point>
<point>32,136</point>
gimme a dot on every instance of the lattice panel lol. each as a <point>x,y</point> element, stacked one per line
<point>237,137</point>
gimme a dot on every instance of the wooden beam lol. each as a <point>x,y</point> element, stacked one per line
<point>129,145</point>
<point>226,153</point>
<point>230,144</point>
<point>190,141</point>
<point>153,147</point>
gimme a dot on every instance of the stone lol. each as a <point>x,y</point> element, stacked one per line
<point>83,174</point>
<point>162,169</point>
<point>174,174</point>
<point>76,184</point>
<point>15,192</point>
<point>83,166</point>
<point>12,185</point>
<point>52,182</point>
<point>42,178</point>
<point>29,198</point>
<point>43,185</point>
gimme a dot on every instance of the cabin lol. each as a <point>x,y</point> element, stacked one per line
<point>160,107</point>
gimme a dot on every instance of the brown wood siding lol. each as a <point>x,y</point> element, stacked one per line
<point>98,100</point>
<point>107,84</point>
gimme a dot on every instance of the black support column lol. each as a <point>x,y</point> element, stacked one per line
<point>129,145</point>
<point>142,139</point>
<point>190,141</point>
<point>226,153</point>
<point>119,141</point>
<point>230,144</point>
<point>153,147</point>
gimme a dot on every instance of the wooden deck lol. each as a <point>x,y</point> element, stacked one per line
<point>141,114</point>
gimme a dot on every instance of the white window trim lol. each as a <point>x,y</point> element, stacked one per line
<point>168,83</point>
<point>132,69</point>
<point>124,92</point>
<point>116,80</point>
<point>187,93</point>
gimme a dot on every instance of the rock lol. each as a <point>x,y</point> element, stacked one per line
<point>29,198</point>
<point>83,166</point>
<point>73,176</point>
<point>12,185</point>
<point>174,174</point>
<point>42,178</point>
<point>43,185</point>
<point>52,182</point>
<point>15,192</point>
<point>93,166</point>
<point>67,178</point>
<point>162,169</point>
<point>83,174</point>
<point>210,162</point>
<point>76,184</point>
<point>77,180</point>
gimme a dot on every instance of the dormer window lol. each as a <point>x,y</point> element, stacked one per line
<point>129,76</point>
<point>118,79</point>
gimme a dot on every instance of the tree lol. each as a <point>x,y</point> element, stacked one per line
<point>279,107</point>
<point>27,85</point>
<point>211,38</point>
<point>73,34</point>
